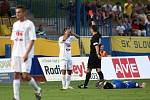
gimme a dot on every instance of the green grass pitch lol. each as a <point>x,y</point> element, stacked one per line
<point>52,91</point>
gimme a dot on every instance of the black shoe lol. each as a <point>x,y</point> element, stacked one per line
<point>82,86</point>
<point>100,84</point>
<point>38,94</point>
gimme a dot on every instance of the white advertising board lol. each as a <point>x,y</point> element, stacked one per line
<point>5,66</point>
<point>131,67</point>
<point>51,69</point>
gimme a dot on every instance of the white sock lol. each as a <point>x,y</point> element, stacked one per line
<point>34,84</point>
<point>16,86</point>
<point>68,80</point>
<point>63,80</point>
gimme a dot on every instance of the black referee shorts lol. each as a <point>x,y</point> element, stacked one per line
<point>94,61</point>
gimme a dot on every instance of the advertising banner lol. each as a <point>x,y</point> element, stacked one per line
<point>130,46</point>
<point>5,66</point>
<point>131,67</point>
<point>6,74</point>
<point>51,68</point>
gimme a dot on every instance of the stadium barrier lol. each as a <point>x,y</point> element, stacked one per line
<point>6,75</point>
<point>43,47</point>
<point>115,46</point>
<point>127,46</point>
<point>131,67</point>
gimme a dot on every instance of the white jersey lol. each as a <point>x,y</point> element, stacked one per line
<point>22,33</point>
<point>65,48</point>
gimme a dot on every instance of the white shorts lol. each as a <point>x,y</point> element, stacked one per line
<point>65,64</point>
<point>18,65</point>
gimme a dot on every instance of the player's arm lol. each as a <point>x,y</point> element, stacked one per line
<point>105,54</point>
<point>76,35</point>
<point>12,49</point>
<point>97,51</point>
<point>97,48</point>
<point>30,44</point>
<point>92,19</point>
<point>13,39</point>
<point>29,47</point>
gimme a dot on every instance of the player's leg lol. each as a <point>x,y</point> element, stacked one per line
<point>63,78</point>
<point>88,76</point>
<point>104,85</point>
<point>26,67</point>
<point>16,85</point>
<point>16,66</point>
<point>68,79</point>
<point>26,76</point>
<point>91,63</point>
<point>69,72</point>
<point>98,69</point>
<point>100,74</point>
<point>63,64</point>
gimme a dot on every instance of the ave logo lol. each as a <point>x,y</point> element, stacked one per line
<point>126,68</point>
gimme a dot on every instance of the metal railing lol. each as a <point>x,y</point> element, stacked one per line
<point>59,14</point>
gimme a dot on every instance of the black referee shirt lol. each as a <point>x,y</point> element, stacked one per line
<point>94,41</point>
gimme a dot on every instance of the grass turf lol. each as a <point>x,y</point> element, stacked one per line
<point>52,91</point>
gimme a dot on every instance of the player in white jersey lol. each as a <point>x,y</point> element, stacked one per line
<point>23,36</point>
<point>65,60</point>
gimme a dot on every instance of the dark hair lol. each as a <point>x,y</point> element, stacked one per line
<point>94,27</point>
<point>21,7</point>
<point>66,28</point>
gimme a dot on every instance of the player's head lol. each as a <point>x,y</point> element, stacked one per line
<point>67,31</point>
<point>20,12</point>
<point>93,28</point>
<point>142,85</point>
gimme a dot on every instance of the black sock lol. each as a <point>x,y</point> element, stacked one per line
<point>101,76</point>
<point>88,75</point>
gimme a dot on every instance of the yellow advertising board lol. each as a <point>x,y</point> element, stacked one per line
<point>43,47</point>
<point>131,44</point>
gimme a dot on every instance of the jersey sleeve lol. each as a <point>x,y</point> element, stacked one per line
<point>32,34</point>
<point>95,40</point>
<point>72,38</point>
<point>61,39</point>
<point>13,34</point>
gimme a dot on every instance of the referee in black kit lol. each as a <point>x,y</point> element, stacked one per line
<point>94,61</point>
